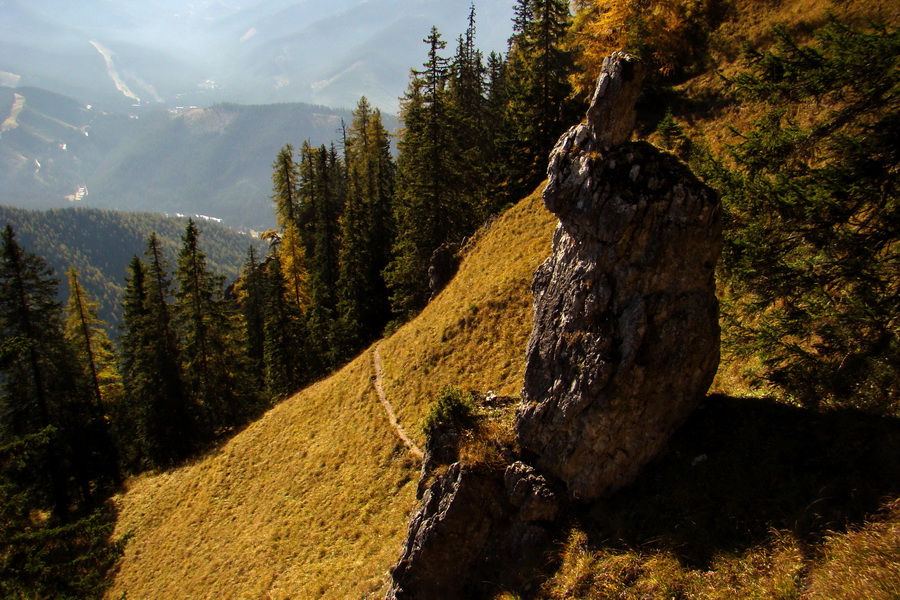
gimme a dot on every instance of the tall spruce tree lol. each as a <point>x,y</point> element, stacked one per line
<point>212,365</point>
<point>468,116</point>
<point>46,406</point>
<point>30,320</point>
<point>165,421</point>
<point>539,108</point>
<point>366,230</point>
<point>429,208</point>
<point>284,352</point>
<point>325,213</point>
<point>250,290</point>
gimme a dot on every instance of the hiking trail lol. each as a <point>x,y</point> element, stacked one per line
<point>392,417</point>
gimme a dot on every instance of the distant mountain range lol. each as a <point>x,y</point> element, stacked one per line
<point>217,161</point>
<point>116,54</point>
<point>131,104</point>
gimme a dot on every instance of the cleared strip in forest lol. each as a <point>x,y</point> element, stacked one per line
<point>392,417</point>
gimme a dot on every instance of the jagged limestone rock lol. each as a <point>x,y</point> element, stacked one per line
<point>626,336</point>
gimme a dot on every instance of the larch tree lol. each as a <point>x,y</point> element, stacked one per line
<point>44,403</point>
<point>286,194</point>
<point>95,356</point>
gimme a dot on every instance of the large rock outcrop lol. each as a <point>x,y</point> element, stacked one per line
<point>626,337</point>
<point>624,347</point>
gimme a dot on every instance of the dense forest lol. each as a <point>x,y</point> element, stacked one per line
<point>809,274</point>
<point>99,243</point>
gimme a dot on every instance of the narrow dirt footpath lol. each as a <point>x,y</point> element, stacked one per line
<point>392,417</point>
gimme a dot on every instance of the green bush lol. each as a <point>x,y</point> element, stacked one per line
<point>453,407</point>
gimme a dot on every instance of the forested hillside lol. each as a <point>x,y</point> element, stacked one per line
<point>783,485</point>
<point>100,243</point>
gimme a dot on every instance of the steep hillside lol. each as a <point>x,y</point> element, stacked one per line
<point>753,498</point>
<point>311,500</point>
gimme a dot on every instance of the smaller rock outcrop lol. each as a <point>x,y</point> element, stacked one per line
<point>530,492</point>
<point>626,336</point>
<point>447,536</point>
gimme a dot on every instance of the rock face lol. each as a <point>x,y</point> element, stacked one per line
<point>626,336</point>
<point>624,347</point>
<point>447,536</point>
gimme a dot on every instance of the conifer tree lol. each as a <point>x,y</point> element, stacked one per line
<point>96,358</point>
<point>286,194</point>
<point>366,230</point>
<point>812,253</point>
<point>325,212</point>
<point>468,115</point>
<point>31,380</point>
<point>496,131</point>
<point>212,364</point>
<point>165,421</point>
<point>285,186</point>
<point>46,405</point>
<point>283,346</point>
<point>250,292</point>
<point>429,208</point>
<point>539,108</point>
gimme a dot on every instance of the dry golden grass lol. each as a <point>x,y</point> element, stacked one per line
<point>770,572</point>
<point>850,566</point>
<point>751,22</point>
<point>861,563</point>
<point>312,500</point>
<point>473,334</point>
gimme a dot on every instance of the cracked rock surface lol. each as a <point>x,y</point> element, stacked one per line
<point>626,337</point>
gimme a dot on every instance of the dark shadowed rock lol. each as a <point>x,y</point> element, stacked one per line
<point>447,536</point>
<point>529,490</point>
<point>441,449</point>
<point>626,336</point>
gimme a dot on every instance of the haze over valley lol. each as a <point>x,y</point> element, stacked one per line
<point>147,105</point>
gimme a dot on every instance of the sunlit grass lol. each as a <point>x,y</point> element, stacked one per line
<point>312,500</point>
<point>473,334</point>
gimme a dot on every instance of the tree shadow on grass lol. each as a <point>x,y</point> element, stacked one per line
<point>741,468</point>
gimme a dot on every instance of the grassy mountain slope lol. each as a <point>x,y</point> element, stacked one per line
<point>753,498</point>
<point>311,500</point>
